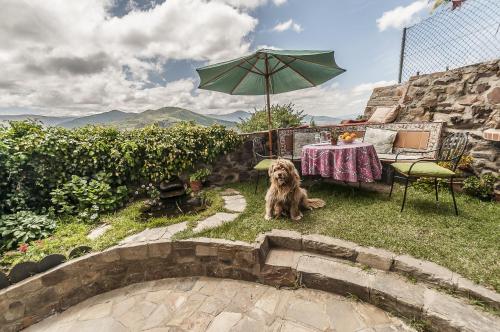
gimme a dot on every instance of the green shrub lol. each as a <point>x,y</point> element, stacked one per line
<point>38,165</point>
<point>282,116</point>
<point>23,227</point>
<point>200,175</point>
<point>481,187</point>
<point>88,198</point>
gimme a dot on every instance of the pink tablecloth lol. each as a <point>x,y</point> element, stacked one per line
<point>357,162</point>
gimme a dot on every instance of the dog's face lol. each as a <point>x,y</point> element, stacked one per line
<point>282,172</point>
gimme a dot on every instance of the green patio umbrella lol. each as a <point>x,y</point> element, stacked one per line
<point>267,72</point>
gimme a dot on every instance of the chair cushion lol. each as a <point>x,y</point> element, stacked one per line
<point>425,169</point>
<point>263,165</point>
<point>381,139</point>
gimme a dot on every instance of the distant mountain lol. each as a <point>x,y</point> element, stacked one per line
<point>46,120</point>
<point>94,119</point>
<point>321,120</point>
<point>166,117</point>
<point>233,116</point>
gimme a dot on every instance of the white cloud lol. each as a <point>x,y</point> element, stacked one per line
<point>250,4</point>
<point>74,57</point>
<point>402,16</point>
<point>287,25</point>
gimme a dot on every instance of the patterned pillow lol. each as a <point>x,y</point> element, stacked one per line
<point>384,115</point>
<point>381,139</point>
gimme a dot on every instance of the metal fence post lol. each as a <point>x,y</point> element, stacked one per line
<point>402,55</point>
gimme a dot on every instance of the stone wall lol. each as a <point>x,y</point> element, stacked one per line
<point>467,99</point>
<point>279,258</point>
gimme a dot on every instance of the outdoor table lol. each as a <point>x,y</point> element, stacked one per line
<point>356,162</point>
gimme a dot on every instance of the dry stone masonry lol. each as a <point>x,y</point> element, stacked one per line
<point>278,258</point>
<point>467,99</point>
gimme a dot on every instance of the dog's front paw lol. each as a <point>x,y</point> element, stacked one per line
<point>297,217</point>
<point>267,217</point>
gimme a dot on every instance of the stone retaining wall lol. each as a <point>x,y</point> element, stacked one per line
<point>36,298</point>
<point>467,99</point>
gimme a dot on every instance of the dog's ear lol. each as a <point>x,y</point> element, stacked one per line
<point>292,170</point>
<point>270,170</point>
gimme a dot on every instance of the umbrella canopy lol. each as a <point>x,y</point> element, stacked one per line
<point>267,72</point>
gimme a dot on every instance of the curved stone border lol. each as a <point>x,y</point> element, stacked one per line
<point>35,298</point>
<point>425,271</point>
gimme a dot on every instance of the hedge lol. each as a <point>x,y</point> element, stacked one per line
<point>38,163</point>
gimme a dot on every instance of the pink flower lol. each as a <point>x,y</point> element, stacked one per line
<point>23,247</point>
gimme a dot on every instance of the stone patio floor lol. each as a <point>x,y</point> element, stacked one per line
<point>218,305</point>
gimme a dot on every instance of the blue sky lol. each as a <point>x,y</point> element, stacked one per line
<point>86,57</point>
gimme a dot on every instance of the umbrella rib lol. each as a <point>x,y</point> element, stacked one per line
<point>244,76</point>
<point>285,65</point>
<point>250,70</point>
<point>253,66</point>
<point>298,73</point>
<point>223,73</point>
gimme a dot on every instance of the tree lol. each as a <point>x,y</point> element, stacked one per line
<point>282,116</point>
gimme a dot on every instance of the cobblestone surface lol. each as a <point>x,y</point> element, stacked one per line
<point>206,304</point>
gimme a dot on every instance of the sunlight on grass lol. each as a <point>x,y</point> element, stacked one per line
<point>468,244</point>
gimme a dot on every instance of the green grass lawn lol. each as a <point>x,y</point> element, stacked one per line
<point>468,244</point>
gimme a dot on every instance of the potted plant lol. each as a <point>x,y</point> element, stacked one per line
<point>197,178</point>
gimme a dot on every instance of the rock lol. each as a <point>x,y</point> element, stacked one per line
<point>494,96</point>
<point>330,246</point>
<point>285,239</point>
<point>376,258</point>
<point>98,231</point>
<point>235,203</point>
<point>216,220</point>
<point>224,321</point>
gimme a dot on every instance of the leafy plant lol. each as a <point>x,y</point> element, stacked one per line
<point>481,187</point>
<point>88,198</point>
<point>200,175</point>
<point>43,168</point>
<point>24,227</point>
<point>282,116</point>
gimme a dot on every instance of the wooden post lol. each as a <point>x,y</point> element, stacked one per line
<point>268,99</point>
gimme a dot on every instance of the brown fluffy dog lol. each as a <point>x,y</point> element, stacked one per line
<point>285,194</point>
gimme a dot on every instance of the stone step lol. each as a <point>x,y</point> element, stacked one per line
<point>387,290</point>
<point>424,271</point>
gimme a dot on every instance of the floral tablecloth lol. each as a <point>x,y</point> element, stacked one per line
<point>357,162</point>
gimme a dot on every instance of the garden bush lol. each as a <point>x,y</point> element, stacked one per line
<point>23,227</point>
<point>73,170</point>
<point>481,187</point>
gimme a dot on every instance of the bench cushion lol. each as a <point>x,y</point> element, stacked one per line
<point>392,156</point>
<point>381,139</point>
<point>425,169</point>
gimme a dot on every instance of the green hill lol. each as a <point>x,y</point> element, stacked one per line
<point>101,118</point>
<point>166,117</point>
<point>45,120</point>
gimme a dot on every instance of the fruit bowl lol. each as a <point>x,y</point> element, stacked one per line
<point>347,137</point>
<point>347,141</point>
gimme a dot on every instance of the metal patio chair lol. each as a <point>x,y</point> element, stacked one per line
<point>451,150</point>
<point>261,160</point>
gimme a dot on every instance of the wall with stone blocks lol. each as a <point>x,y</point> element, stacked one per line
<point>467,99</point>
<point>280,258</point>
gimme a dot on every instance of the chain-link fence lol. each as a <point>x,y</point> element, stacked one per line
<point>452,38</point>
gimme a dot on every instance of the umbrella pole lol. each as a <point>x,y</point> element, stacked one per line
<point>268,100</point>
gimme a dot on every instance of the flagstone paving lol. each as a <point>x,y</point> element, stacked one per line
<point>234,202</point>
<point>208,304</point>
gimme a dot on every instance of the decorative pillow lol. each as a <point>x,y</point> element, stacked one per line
<point>381,139</point>
<point>299,140</point>
<point>384,115</point>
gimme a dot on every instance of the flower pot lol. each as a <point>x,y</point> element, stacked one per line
<point>196,185</point>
